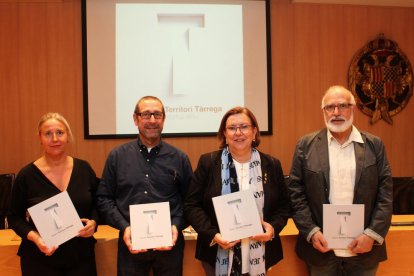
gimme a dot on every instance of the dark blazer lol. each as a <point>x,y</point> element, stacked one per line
<point>309,190</point>
<point>206,184</point>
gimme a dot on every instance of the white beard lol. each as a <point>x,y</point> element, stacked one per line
<point>339,128</point>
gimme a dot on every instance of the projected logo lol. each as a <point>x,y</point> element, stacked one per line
<point>190,56</point>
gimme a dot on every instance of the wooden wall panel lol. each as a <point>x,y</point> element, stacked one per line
<point>312,46</point>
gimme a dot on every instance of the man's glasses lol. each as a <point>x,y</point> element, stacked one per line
<point>341,107</point>
<point>242,128</point>
<point>147,115</point>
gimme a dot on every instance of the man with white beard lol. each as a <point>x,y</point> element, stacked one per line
<point>340,165</point>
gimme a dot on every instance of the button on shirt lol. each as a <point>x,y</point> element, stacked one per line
<point>342,170</point>
<point>135,175</point>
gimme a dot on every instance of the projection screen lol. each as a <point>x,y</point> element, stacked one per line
<point>201,58</point>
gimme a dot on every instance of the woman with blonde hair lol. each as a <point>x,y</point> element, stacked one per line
<point>52,173</point>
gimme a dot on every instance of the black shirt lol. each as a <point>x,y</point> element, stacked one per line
<point>132,175</point>
<point>32,187</point>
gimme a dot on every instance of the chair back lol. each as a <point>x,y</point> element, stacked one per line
<point>403,194</point>
<point>6,184</point>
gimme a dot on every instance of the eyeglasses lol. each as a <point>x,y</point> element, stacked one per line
<point>242,128</point>
<point>341,107</point>
<point>147,115</point>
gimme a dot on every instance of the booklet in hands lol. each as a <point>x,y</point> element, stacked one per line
<point>56,219</point>
<point>237,215</point>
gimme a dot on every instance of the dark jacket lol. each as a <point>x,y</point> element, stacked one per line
<point>309,190</point>
<point>206,184</point>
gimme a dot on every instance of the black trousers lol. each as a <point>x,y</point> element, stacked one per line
<point>31,267</point>
<point>162,263</point>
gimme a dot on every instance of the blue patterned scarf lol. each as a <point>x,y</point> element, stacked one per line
<point>257,249</point>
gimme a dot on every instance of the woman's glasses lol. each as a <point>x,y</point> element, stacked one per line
<point>242,128</point>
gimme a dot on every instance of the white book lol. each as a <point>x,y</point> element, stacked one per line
<point>56,219</point>
<point>342,224</point>
<point>237,215</point>
<point>150,225</point>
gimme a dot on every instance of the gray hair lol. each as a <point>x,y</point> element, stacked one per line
<point>337,88</point>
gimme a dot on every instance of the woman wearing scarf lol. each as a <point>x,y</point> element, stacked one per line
<point>238,166</point>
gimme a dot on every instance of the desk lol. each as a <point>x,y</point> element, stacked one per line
<point>9,261</point>
<point>400,241</point>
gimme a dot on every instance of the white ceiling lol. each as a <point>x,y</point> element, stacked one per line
<point>396,3</point>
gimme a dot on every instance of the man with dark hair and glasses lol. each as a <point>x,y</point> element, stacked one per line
<point>340,165</point>
<point>146,170</point>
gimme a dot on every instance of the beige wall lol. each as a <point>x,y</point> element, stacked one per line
<point>312,46</point>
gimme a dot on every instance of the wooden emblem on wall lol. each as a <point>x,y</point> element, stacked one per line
<point>381,78</point>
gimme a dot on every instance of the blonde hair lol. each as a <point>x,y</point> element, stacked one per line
<point>59,117</point>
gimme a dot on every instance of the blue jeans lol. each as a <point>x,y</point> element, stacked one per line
<point>343,267</point>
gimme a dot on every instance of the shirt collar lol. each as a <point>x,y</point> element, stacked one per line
<point>355,136</point>
<point>144,147</point>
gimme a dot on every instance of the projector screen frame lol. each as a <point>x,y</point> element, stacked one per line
<point>87,100</point>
